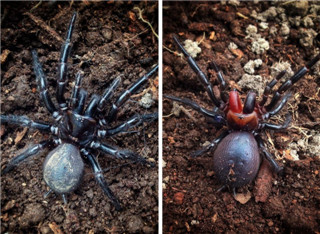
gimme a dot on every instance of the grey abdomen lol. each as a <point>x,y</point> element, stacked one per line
<point>63,168</point>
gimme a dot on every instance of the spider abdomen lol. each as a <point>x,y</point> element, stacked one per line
<point>236,159</point>
<point>63,168</point>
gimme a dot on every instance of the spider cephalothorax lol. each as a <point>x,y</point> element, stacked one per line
<point>236,158</point>
<point>78,129</point>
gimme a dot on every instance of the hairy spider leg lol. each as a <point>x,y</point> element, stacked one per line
<point>287,84</point>
<point>63,66</point>
<point>203,78</point>
<point>270,86</point>
<point>216,118</point>
<point>42,84</point>
<point>118,153</point>
<point>31,151</point>
<point>127,94</point>
<point>211,146</point>
<point>98,174</point>
<point>132,122</point>
<point>24,121</point>
<point>267,155</point>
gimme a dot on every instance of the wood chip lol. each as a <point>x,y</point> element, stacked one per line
<point>4,56</point>
<point>263,186</point>
<point>212,36</point>
<point>55,228</point>
<point>214,217</point>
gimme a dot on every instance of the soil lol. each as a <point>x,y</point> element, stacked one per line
<point>109,40</point>
<point>287,203</point>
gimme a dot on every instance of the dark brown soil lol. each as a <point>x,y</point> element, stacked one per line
<point>278,204</point>
<point>109,40</point>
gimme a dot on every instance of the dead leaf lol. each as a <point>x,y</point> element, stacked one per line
<point>243,198</point>
<point>20,135</point>
<point>55,228</point>
<point>132,16</point>
<point>214,217</point>
<point>237,52</point>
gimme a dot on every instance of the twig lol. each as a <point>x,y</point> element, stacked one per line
<point>45,27</point>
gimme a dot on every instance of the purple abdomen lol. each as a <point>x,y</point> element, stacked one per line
<point>236,160</point>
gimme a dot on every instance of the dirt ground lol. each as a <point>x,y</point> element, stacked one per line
<point>287,203</point>
<point>109,40</point>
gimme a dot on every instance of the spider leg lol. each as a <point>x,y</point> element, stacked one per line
<point>31,151</point>
<point>24,121</point>
<point>269,87</point>
<point>278,107</point>
<point>126,94</point>
<point>92,106</point>
<point>63,66</point>
<point>286,85</point>
<point>81,100</point>
<point>101,180</point>
<point>210,146</point>
<point>267,155</point>
<point>276,126</point>
<point>119,154</point>
<point>75,91</point>
<point>108,93</point>
<point>204,80</point>
<point>222,82</point>
<point>64,198</point>
<point>216,118</point>
<point>132,122</point>
<point>42,83</point>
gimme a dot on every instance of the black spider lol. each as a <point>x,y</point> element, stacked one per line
<point>77,130</point>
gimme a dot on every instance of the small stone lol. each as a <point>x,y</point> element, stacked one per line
<point>34,213</point>
<point>270,223</point>
<point>107,34</point>
<point>89,193</point>
<point>249,67</point>
<point>192,48</point>
<point>93,212</point>
<point>263,25</point>
<point>285,30</point>
<point>306,37</point>
<point>259,46</point>
<point>252,82</point>
<point>9,205</point>
<point>232,46</point>
<point>148,230</point>
<point>134,224</point>
<point>307,22</point>
<point>251,30</point>
<point>146,101</point>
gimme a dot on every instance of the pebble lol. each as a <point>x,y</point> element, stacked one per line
<point>34,213</point>
<point>134,224</point>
